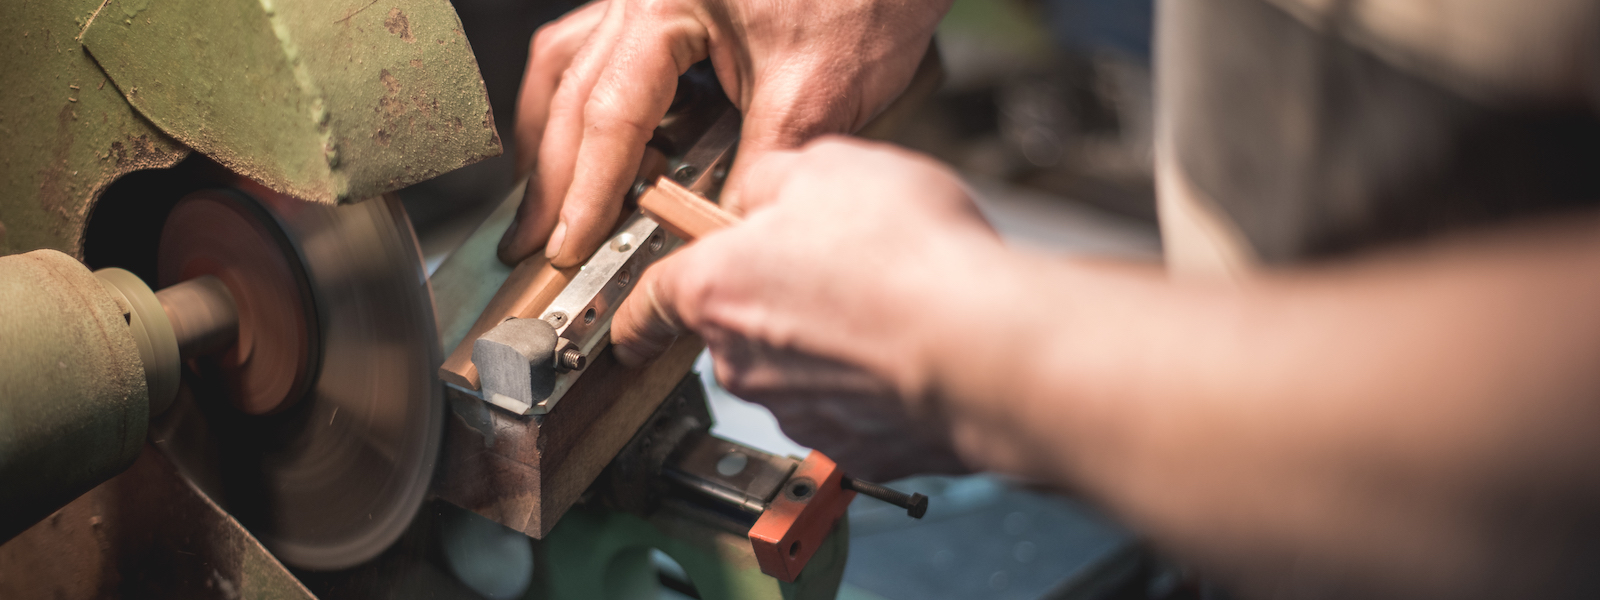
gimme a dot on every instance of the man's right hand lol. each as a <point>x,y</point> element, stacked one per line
<point>832,303</point>
<point>602,77</point>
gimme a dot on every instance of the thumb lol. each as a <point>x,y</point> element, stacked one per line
<point>648,320</point>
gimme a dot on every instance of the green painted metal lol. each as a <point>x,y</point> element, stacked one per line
<point>327,100</point>
<point>605,555</point>
<point>73,403</point>
<point>68,132</point>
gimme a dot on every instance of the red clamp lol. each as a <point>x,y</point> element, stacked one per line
<point>800,517</point>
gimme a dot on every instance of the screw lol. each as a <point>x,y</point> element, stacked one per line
<point>685,173</point>
<point>638,189</point>
<point>623,242</point>
<point>556,319</point>
<point>572,360</point>
<point>916,505</point>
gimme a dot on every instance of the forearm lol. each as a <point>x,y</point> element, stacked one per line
<point>1384,412</point>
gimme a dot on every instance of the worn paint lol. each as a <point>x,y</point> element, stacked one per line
<point>147,533</point>
<point>320,100</point>
<point>63,145</point>
<point>75,403</point>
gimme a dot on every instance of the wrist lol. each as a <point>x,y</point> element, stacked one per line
<point>971,333</point>
<point>1025,388</point>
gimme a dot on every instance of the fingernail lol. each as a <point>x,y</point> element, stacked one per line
<point>556,237</point>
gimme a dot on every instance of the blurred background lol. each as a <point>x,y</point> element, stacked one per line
<point>1046,111</point>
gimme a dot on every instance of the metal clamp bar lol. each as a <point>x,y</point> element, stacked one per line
<point>581,315</point>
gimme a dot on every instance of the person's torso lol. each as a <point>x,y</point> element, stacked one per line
<point>1309,129</point>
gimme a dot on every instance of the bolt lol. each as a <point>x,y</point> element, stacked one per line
<point>685,173</point>
<point>916,505</point>
<point>572,360</point>
<point>556,319</point>
<point>638,189</point>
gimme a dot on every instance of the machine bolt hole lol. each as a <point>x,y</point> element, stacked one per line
<point>622,243</point>
<point>588,316</point>
<point>801,490</point>
<point>794,547</point>
<point>732,463</point>
<point>557,319</point>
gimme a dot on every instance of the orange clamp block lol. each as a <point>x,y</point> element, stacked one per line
<point>801,516</point>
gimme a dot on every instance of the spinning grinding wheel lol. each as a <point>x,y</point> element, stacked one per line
<point>319,429</point>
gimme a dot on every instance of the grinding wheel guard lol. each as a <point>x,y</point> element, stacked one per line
<point>800,517</point>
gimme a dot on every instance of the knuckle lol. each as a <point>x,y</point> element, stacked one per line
<point>543,42</point>
<point>606,114</point>
<point>656,8</point>
<point>550,37</point>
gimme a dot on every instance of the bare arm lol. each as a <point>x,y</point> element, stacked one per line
<point>1423,421</point>
<point>1416,422</point>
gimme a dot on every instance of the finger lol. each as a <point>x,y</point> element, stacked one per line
<point>557,148</point>
<point>649,319</point>
<point>620,115</point>
<point>549,54</point>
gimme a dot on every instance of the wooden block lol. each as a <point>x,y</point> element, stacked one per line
<point>527,471</point>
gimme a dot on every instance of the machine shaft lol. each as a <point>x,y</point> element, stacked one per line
<point>203,315</point>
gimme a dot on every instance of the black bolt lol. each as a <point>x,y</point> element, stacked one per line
<point>685,173</point>
<point>916,505</point>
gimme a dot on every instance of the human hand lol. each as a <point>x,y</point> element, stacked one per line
<point>827,303</point>
<point>601,78</point>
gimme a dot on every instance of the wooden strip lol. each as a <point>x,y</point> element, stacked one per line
<point>530,288</point>
<point>682,212</point>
